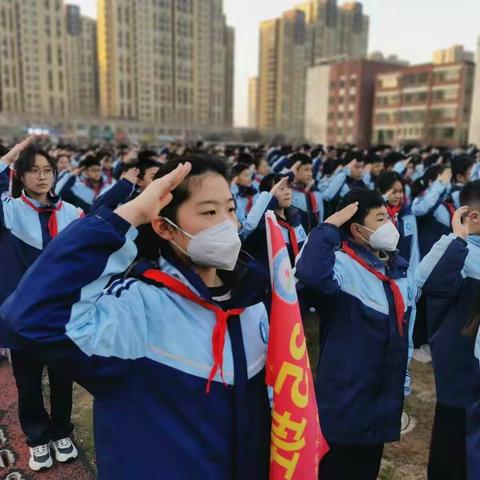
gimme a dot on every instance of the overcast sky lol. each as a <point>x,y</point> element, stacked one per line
<point>411,29</point>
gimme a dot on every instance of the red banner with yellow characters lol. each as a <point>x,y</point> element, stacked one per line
<point>297,443</point>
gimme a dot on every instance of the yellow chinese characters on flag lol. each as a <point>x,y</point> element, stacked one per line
<point>297,443</point>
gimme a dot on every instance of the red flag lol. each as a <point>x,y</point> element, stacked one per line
<point>297,443</point>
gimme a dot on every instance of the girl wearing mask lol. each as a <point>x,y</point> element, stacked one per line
<point>181,340</point>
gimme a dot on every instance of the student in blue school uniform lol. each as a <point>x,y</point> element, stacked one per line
<point>29,220</point>
<point>449,277</point>
<point>373,168</point>
<point>279,193</point>
<point>462,168</point>
<point>364,292</point>
<point>131,183</point>
<point>345,179</point>
<point>165,340</point>
<point>305,196</point>
<point>392,187</point>
<point>244,193</point>
<point>83,189</point>
<point>432,206</point>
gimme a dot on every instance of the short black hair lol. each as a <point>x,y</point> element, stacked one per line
<point>372,158</point>
<point>368,200</point>
<point>89,161</point>
<point>386,180</point>
<point>461,165</point>
<point>351,155</point>
<point>269,181</point>
<point>245,158</point>
<point>303,158</point>
<point>470,193</point>
<point>3,150</point>
<point>144,165</point>
<point>392,158</point>
<point>238,168</point>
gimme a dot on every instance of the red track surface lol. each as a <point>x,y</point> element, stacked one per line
<point>15,439</point>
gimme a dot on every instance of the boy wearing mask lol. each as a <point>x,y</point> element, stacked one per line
<point>349,270</point>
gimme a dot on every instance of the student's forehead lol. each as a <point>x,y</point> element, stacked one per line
<point>376,212</point>
<point>41,161</point>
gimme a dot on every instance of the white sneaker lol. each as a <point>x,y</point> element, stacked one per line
<point>65,450</point>
<point>422,354</point>
<point>40,458</point>
<point>408,423</point>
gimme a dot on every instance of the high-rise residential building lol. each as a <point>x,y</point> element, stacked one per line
<point>339,101</point>
<point>253,102</point>
<point>453,54</point>
<point>428,104</point>
<point>82,71</point>
<point>33,77</point>
<point>229,75</point>
<point>282,73</point>
<point>11,99</point>
<point>474,133</point>
<point>336,30</point>
<point>313,32</point>
<point>164,62</point>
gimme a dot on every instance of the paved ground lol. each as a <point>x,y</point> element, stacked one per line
<point>405,460</point>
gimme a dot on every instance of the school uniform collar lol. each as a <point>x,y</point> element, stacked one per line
<point>396,264</point>
<point>53,200</point>
<point>474,239</point>
<point>249,281</point>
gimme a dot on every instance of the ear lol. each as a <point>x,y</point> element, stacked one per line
<point>162,228</point>
<point>354,231</point>
<point>475,217</point>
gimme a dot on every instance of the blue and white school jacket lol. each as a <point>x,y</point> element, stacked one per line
<point>244,197</point>
<point>78,191</point>
<point>363,359</point>
<point>145,353</point>
<point>4,180</point>
<point>121,192</point>
<point>255,243</point>
<point>310,206</point>
<point>449,277</point>
<point>340,184</point>
<point>434,218</point>
<point>24,234</point>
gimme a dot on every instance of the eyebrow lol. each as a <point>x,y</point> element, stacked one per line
<point>214,202</point>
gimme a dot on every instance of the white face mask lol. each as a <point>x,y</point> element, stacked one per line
<point>214,247</point>
<point>384,238</point>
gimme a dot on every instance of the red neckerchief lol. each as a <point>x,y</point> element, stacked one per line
<point>393,213</point>
<point>451,209</point>
<point>310,197</point>
<point>97,188</point>
<point>291,235</point>
<point>52,222</point>
<point>220,330</point>
<point>249,203</point>
<point>397,294</point>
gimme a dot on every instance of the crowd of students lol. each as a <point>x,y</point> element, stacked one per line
<point>143,275</point>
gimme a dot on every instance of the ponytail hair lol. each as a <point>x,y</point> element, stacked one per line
<point>422,184</point>
<point>25,163</point>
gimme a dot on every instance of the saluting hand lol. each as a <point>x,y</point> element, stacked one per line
<point>461,226</point>
<point>131,175</point>
<point>278,186</point>
<point>343,216</point>
<point>13,154</point>
<point>156,196</point>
